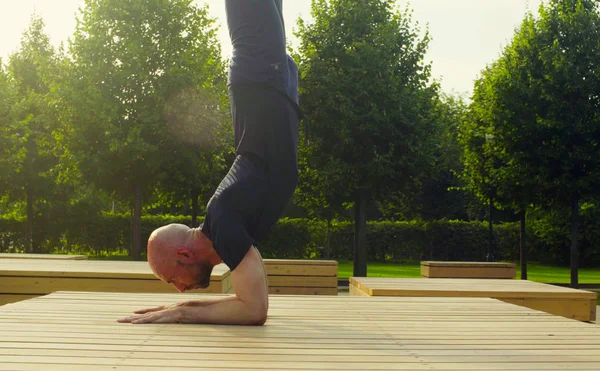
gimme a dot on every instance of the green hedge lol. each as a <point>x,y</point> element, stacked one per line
<point>291,238</point>
<point>389,241</point>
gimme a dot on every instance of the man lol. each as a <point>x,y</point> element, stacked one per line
<point>252,197</point>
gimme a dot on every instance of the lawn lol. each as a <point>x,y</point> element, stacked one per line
<point>535,272</point>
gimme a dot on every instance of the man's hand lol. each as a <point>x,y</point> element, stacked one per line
<point>191,303</point>
<point>172,308</point>
<point>155,315</point>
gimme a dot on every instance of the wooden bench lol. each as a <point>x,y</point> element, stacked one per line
<point>22,279</point>
<point>302,277</point>
<point>561,301</point>
<point>42,256</point>
<point>442,269</point>
<point>68,331</point>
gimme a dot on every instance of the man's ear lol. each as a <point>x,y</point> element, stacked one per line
<point>185,255</point>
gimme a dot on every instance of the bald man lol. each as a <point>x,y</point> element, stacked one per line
<point>263,91</point>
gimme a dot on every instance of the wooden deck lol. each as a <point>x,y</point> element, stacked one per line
<point>560,301</point>
<point>78,331</point>
<point>302,277</point>
<point>26,278</point>
<point>444,269</point>
<point>43,256</point>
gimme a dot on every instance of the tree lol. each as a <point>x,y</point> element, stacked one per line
<point>31,156</point>
<point>130,59</point>
<point>436,194</point>
<point>568,35</point>
<point>541,105</point>
<point>366,90</point>
<point>8,138</point>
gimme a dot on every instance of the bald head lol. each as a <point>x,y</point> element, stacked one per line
<point>163,244</point>
<point>168,237</point>
<point>181,256</point>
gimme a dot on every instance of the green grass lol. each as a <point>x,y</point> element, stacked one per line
<point>535,272</point>
<point>345,270</point>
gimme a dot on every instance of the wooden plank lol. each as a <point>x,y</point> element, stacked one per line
<point>562,301</point>
<point>301,270</point>
<point>88,269</point>
<point>578,309</point>
<point>13,298</point>
<point>78,331</point>
<point>466,264</point>
<point>445,269</point>
<point>471,272</point>
<point>467,287</point>
<point>356,291</point>
<point>485,366</point>
<point>303,290</point>
<point>302,281</point>
<point>29,277</point>
<point>330,263</point>
<point>46,285</point>
<point>42,256</point>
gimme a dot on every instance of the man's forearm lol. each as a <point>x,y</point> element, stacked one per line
<point>203,303</point>
<point>225,312</point>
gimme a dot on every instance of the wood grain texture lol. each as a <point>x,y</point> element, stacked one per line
<point>25,278</point>
<point>87,269</point>
<point>325,263</point>
<point>42,256</point>
<point>302,277</point>
<point>442,269</point>
<point>467,264</point>
<point>562,301</point>
<point>78,331</point>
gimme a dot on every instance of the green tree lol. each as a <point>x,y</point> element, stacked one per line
<point>130,58</point>
<point>8,138</point>
<point>540,103</point>
<point>366,90</point>
<point>436,194</point>
<point>568,39</point>
<point>32,159</point>
<point>489,171</point>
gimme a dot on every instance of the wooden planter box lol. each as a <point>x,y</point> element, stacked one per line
<point>441,269</point>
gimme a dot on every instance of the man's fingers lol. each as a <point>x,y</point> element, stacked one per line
<point>141,320</point>
<point>125,319</point>
<point>151,317</point>
<point>136,319</point>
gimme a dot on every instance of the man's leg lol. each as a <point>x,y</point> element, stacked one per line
<point>265,122</point>
<point>258,39</point>
<point>279,5</point>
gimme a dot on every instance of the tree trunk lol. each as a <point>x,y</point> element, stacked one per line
<point>195,195</point>
<point>360,236</point>
<point>523,246</point>
<point>30,245</point>
<point>328,247</point>
<point>490,254</point>
<point>574,247</point>
<point>136,245</point>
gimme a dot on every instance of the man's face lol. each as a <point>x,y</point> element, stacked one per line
<point>187,277</point>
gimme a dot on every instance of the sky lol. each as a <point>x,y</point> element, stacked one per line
<point>466,34</point>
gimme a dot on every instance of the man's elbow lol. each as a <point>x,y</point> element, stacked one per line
<point>260,320</point>
<point>258,317</point>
